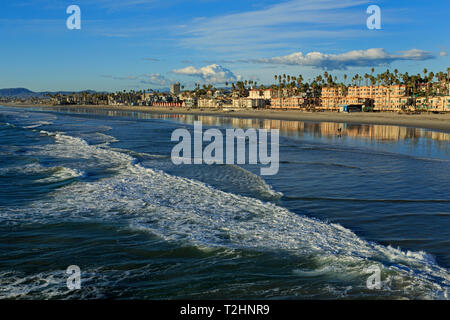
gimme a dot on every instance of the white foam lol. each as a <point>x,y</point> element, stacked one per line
<point>48,285</point>
<point>56,174</point>
<point>254,182</point>
<point>38,124</point>
<point>100,138</point>
<point>62,174</point>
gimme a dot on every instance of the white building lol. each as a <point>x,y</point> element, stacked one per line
<point>248,103</point>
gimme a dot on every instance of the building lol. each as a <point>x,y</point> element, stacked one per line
<point>382,98</point>
<point>190,102</point>
<point>249,103</point>
<point>385,98</point>
<point>436,103</point>
<point>209,103</point>
<point>332,98</point>
<point>175,89</point>
<point>294,103</point>
<point>261,94</point>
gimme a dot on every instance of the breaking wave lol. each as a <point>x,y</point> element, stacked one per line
<point>49,175</point>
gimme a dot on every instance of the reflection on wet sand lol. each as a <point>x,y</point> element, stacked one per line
<point>320,129</point>
<point>291,128</point>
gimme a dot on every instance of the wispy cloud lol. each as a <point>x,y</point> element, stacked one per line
<point>213,73</point>
<point>356,58</point>
<point>120,77</point>
<point>155,79</point>
<point>276,25</point>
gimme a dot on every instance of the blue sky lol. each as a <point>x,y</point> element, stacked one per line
<point>138,44</point>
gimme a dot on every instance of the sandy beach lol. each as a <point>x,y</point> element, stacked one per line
<point>439,122</point>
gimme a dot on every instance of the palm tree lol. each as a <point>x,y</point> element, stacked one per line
<point>300,80</point>
<point>366,76</point>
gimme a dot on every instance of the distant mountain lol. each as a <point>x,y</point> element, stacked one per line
<point>25,93</point>
<point>18,93</point>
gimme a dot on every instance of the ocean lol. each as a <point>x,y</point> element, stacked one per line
<point>97,189</point>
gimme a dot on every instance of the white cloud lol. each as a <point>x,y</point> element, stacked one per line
<point>357,58</point>
<point>443,53</point>
<point>213,73</point>
<point>155,79</point>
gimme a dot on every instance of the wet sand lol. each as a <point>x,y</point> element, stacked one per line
<point>439,122</point>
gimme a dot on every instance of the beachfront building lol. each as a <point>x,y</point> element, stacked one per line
<point>249,103</point>
<point>294,103</point>
<point>190,102</point>
<point>435,103</point>
<point>332,98</point>
<point>209,103</point>
<point>262,94</point>
<point>384,98</point>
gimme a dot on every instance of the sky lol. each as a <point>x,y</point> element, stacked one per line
<point>142,44</point>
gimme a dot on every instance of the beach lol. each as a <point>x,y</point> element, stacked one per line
<point>440,122</point>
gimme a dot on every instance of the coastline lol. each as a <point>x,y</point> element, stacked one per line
<point>438,122</point>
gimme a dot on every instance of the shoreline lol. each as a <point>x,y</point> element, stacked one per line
<point>438,122</point>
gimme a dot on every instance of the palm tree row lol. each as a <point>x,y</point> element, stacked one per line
<point>419,83</point>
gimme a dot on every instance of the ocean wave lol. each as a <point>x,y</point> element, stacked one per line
<point>59,174</point>
<point>247,180</point>
<point>38,124</point>
<point>48,285</point>
<point>7,124</point>
<point>99,138</point>
<point>178,209</point>
<point>223,176</point>
<point>52,174</point>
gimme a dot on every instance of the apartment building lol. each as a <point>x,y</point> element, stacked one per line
<point>261,94</point>
<point>249,103</point>
<point>436,103</point>
<point>383,98</point>
<point>332,98</point>
<point>294,103</point>
<point>209,103</point>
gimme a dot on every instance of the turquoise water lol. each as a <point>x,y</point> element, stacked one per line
<point>97,189</point>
